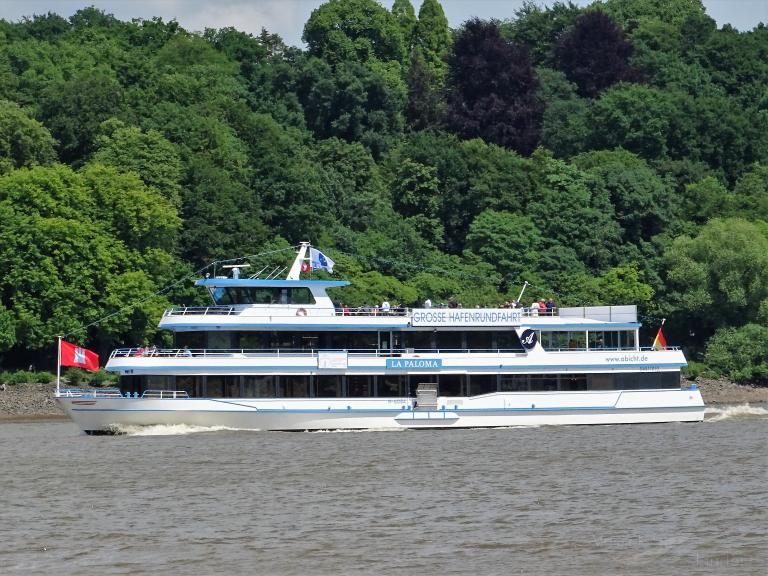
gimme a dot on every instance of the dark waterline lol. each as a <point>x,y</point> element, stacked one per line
<point>636,499</point>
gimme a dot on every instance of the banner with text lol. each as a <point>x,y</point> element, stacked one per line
<point>466,317</point>
<point>332,360</point>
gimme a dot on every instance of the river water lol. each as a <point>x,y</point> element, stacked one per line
<point>632,499</point>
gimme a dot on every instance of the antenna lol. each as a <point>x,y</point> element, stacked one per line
<point>520,298</point>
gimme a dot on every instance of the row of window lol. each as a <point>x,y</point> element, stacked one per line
<point>400,340</point>
<point>360,386</point>
<point>262,295</point>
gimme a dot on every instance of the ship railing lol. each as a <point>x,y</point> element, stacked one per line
<point>165,394</point>
<point>609,349</point>
<point>295,352</point>
<point>89,393</point>
<point>296,309</point>
<point>200,311</point>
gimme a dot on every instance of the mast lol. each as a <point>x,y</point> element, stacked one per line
<point>58,369</point>
<point>295,271</point>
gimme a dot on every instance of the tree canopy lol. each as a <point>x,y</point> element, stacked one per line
<point>607,154</point>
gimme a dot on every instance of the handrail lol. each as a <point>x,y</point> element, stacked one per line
<point>162,394</point>
<point>301,310</point>
<point>89,392</point>
<point>377,352</point>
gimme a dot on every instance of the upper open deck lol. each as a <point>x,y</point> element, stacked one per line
<point>313,317</point>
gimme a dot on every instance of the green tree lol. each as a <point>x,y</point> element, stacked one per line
<point>354,30</point>
<point>719,277</point>
<point>23,140</point>
<point>433,38</point>
<point>73,109</point>
<point>148,154</point>
<point>405,15</point>
<point>641,200</point>
<point>740,353</point>
<point>509,242</point>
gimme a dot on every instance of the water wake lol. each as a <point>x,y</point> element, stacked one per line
<point>740,411</point>
<point>169,430</point>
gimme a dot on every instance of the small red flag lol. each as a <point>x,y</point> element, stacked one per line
<point>305,267</point>
<point>74,355</point>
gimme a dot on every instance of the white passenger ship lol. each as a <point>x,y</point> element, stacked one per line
<point>278,355</point>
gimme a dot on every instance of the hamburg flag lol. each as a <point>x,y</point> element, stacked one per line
<point>659,342</point>
<point>74,355</point>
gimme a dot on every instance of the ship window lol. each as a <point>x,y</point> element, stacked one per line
<point>192,385</point>
<point>607,340</point>
<point>669,380</point>
<point>328,386</point>
<point>543,382</point>
<point>508,340</point>
<point>450,384</point>
<point>390,385</point>
<point>259,386</point>
<point>449,340</point>
<point>301,296</point>
<point>572,382</point>
<point>155,382</point>
<point>359,386</point>
<point>627,339</point>
<point>295,386</point>
<point>222,386</point>
<point>131,384</point>
<point>560,340</point>
<point>218,340</point>
<point>192,340</point>
<point>479,341</point>
<point>262,295</point>
<point>600,381</point>
<point>514,383</point>
<point>482,384</point>
<point>418,340</point>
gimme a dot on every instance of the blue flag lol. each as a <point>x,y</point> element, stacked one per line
<point>320,261</point>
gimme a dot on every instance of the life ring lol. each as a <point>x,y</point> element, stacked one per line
<point>301,312</point>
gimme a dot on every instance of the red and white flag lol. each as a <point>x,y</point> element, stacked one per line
<point>74,355</point>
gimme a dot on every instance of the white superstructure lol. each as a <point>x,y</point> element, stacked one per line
<point>278,355</point>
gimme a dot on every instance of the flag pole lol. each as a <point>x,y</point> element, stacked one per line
<point>58,369</point>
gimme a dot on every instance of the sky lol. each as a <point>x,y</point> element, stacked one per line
<point>287,17</point>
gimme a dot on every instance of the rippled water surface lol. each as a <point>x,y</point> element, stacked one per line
<point>634,499</point>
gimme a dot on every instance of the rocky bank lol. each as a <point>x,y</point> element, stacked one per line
<point>30,401</point>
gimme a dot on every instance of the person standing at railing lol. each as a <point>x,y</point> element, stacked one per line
<point>385,307</point>
<point>550,304</point>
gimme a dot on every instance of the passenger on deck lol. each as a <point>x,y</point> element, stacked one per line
<point>385,308</point>
<point>542,307</point>
<point>550,306</point>
<point>534,309</point>
<point>427,303</point>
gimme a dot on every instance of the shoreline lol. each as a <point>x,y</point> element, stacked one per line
<point>35,402</point>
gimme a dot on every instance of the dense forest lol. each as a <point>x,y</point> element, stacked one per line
<point>609,154</point>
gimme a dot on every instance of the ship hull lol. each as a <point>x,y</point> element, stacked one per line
<point>114,414</point>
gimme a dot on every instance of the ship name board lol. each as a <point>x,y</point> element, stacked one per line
<point>466,317</point>
<point>414,363</point>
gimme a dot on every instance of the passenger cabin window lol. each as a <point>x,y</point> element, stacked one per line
<point>261,295</point>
